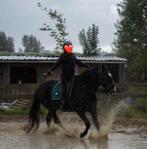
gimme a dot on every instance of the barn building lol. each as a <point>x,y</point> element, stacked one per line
<point>20,75</point>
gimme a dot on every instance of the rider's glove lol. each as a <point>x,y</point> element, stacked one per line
<point>47,73</point>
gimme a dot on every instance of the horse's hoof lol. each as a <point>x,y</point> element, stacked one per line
<point>25,128</point>
<point>83,135</point>
<point>57,121</point>
<point>98,128</point>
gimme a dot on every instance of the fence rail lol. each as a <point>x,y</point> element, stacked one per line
<point>23,89</point>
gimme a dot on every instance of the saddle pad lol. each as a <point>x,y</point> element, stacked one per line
<point>57,91</point>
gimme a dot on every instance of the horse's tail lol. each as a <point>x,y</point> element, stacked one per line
<point>34,115</point>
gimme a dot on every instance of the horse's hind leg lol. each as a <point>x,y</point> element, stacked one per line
<point>56,119</point>
<point>86,121</point>
<point>94,117</point>
<point>49,118</point>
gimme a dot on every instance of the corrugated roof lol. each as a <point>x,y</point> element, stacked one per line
<point>103,58</point>
<point>52,59</point>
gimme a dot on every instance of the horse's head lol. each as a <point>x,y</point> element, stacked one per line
<point>107,83</point>
<point>96,77</point>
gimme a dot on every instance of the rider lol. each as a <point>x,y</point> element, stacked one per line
<point>66,61</point>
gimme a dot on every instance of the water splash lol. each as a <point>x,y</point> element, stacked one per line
<point>73,125</point>
<point>67,130</point>
<point>107,119</point>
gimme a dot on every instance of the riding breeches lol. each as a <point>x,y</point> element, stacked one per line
<point>65,88</point>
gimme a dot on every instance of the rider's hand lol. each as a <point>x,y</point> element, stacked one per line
<point>47,73</point>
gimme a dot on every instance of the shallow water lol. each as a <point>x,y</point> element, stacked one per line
<point>12,136</point>
<point>110,136</point>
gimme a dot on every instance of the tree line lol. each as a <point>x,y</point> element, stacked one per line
<point>29,42</point>
<point>131,37</point>
<point>88,39</point>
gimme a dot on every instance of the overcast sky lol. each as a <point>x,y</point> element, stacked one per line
<point>19,17</point>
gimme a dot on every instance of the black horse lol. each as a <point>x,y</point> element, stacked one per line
<point>83,99</point>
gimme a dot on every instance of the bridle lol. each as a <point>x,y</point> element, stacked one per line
<point>108,87</point>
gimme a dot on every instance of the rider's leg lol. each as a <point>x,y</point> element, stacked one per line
<point>64,89</point>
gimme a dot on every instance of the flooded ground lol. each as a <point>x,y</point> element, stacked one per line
<point>118,136</point>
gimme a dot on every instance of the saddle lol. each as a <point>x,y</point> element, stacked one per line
<point>57,91</point>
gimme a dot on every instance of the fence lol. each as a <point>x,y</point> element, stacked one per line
<point>15,91</point>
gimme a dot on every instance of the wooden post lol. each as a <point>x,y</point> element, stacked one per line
<point>101,68</point>
<point>39,73</point>
<point>122,77</point>
<point>6,80</point>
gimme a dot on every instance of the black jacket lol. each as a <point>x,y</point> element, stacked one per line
<point>67,63</point>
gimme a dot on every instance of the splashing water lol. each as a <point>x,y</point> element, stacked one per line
<point>107,120</point>
<point>73,126</point>
<point>67,131</point>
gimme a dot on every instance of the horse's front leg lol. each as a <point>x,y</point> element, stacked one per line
<point>94,117</point>
<point>86,121</point>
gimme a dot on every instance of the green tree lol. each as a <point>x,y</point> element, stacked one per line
<point>31,44</point>
<point>6,43</point>
<point>131,41</point>
<point>58,30</point>
<point>89,41</point>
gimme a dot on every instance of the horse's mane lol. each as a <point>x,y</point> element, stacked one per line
<point>89,73</point>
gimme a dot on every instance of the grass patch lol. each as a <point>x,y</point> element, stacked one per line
<point>132,113</point>
<point>136,110</point>
<point>14,111</point>
<point>19,111</point>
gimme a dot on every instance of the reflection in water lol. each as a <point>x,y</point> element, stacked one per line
<point>128,138</point>
<point>103,144</point>
<point>38,141</point>
<point>52,142</point>
<point>96,144</point>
